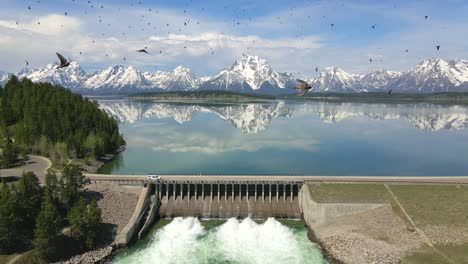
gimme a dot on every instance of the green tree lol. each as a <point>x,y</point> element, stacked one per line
<point>93,221</point>
<point>47,229</point>
<point>85,222</point>
<point>9,155</point>
<point>29,195</point>
<point>8,219</point>
<point>77,220</point>
<point>70,185</point>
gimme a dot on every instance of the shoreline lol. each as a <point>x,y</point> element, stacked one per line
<point>321,246</point>
<point>100,162</point>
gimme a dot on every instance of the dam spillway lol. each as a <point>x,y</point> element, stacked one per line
<point>226,199</point>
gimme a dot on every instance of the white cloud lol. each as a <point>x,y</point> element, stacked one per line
<point>297,41</point>
<point>53,25</point>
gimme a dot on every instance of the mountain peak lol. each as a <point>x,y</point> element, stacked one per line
<point>181,69</point>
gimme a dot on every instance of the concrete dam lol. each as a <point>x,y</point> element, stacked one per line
<point>228,198</point>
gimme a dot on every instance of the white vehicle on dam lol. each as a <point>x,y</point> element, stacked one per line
<point>154,178</point>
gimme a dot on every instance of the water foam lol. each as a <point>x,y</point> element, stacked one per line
<point>184,240</point>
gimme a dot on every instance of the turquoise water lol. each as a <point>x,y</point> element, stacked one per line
<point>291,137</point>
<point>186,240</point>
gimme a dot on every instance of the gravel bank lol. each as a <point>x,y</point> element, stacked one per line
<point>116,202</point>
<point>375,236</point>
<point>379,236</point>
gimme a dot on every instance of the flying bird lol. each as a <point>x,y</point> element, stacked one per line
<point>303,87</point>
<point>425,17</point>
<point>316,69</point>
<point>142,51</point>
<point>63,62</point>
<point>390,92</point>
<point>27,62</point>
<point>438,47</point>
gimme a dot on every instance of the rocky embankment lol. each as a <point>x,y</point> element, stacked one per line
<point>360,238</point>
<point>375,236</point>
<point>96,256</point>
<point>117,204</point>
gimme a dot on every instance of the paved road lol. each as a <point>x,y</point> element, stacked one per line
<point>279,178</point>
<point>36,164</point>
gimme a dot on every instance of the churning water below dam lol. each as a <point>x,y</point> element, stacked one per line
<point>190,240</point>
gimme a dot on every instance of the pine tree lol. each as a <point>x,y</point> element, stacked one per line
<point>85,222</point>
<point>70,185</point>
<point>47,229</point>
<point>93,221</point>
<point>29,195</point>
<point>8,219</point>
<point>77,220</point>
<point>9,155</point>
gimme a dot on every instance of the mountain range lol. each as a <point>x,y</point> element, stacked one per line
<point>252,74</point>
<point>255,118</point>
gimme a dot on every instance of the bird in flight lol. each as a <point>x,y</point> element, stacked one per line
<point>143,51</point>
<point>390,92</point>
<point>63,62</point>
<point>27,62</point>
<point>425,17</point>
<point>438,47</point>
<point>303,87</point>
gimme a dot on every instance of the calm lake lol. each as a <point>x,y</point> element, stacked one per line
<point>290,137</point>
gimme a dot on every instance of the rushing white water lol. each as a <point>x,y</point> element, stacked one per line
<point>185,240</point>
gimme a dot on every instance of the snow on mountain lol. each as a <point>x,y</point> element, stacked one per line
<point>180,79</point>
<point>434,75</point>
<point>118,79</point>
<point>71,77</point>
<point>253,74</point>
<point>336,80</point>
<point>380,78</point>
<point>4,77</point>
<point>250,74</point>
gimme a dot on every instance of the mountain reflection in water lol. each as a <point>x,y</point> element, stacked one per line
<point>291,137</point>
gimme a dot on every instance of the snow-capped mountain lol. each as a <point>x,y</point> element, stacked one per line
<point>380,78</point>
<point>71,77</point>
<point>253,74</point>
<point>117,79</point>
<point>4,76</point>
<point>336,80</point>
<point>434,75</point>
<point>250,74</point>
<point>180,79</point>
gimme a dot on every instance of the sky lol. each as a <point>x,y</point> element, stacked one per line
<point>207,36</point>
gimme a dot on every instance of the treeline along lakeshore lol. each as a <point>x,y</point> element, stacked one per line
<point>52,121</point>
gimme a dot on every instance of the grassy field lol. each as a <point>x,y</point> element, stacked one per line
<point>458,254</point>
<point>430,204</point>
<point>349,193</point>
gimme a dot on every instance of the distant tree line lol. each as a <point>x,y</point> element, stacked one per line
<point>204,94</point>
<point>34,216</point>
<point>52,121</point>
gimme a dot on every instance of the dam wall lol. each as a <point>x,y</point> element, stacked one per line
<point>226,199</point>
